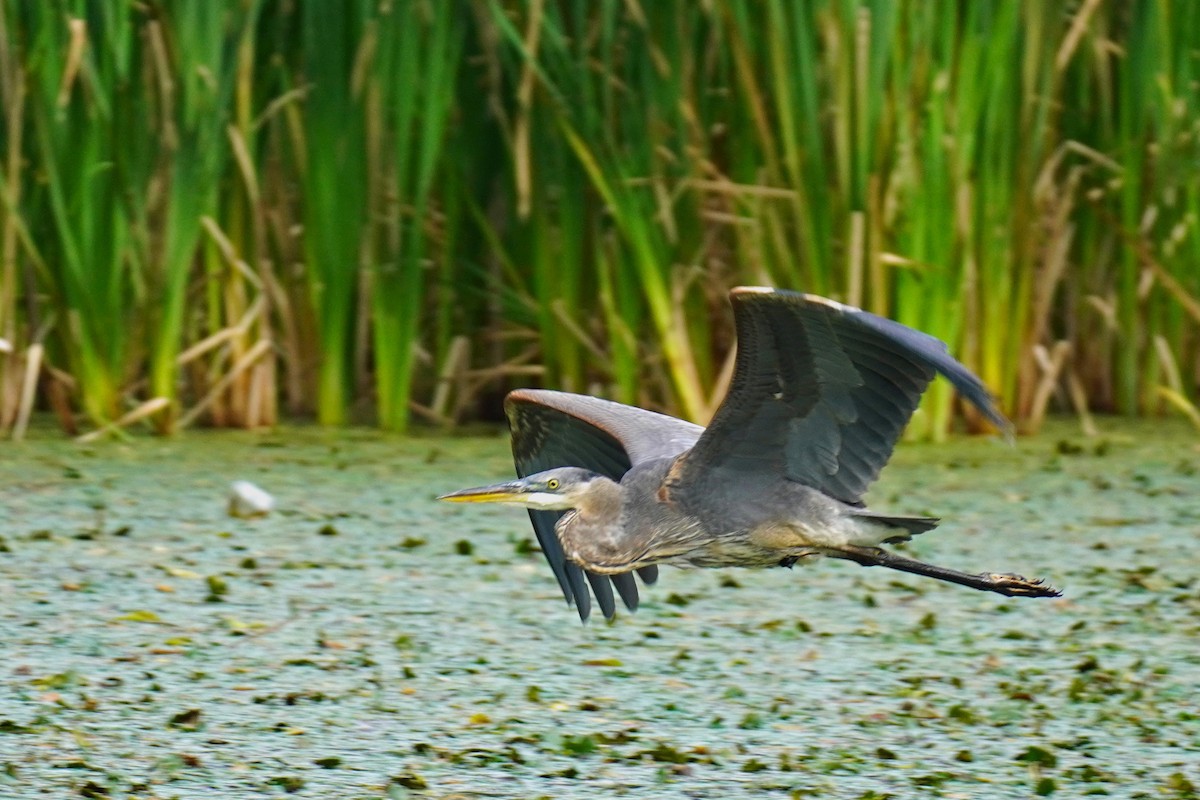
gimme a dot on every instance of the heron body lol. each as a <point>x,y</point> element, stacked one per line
<point>612,531</point>
<point>820,394</point>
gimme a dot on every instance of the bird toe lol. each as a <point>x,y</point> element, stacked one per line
<point>1020,586</point>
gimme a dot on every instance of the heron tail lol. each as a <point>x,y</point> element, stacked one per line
<point>910,526</point>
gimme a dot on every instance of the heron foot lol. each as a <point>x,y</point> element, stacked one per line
<point>1018,585</point>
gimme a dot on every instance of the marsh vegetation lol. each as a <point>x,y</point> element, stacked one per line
<point>225,212</point>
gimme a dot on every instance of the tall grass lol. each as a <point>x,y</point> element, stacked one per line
<point>200,197</point>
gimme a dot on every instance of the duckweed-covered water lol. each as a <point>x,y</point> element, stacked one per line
<point>365,641</point>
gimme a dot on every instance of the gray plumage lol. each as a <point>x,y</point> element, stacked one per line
<point>820,394</point>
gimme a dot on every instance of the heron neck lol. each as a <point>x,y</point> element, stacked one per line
<point>593,536</point>
<point>602,501</point>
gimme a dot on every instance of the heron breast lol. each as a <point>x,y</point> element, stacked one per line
<point>781,537</point>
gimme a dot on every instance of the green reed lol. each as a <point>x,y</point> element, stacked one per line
<point>195,60</point>
<point>87,214</point>
<point>13,325</point>
<point>334,166</point>
<point>419,47</point>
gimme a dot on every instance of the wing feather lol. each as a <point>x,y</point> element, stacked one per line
<point>558,429</point>
<point>820,394</point>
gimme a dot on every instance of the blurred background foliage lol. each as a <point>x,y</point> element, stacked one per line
<point>387,210</point>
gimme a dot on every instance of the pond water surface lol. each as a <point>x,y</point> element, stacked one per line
<point>365,641</point>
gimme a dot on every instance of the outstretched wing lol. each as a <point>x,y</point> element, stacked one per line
<point>559,429</point>
<point>820,394</point>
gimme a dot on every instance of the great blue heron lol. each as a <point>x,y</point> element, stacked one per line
<point>820,393</point>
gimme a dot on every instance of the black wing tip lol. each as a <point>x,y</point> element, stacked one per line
<point>972,389</point>
<point>577,594</point>
<point>648,574</point>
<point>603,590</point>
<point>626,587</point>
<point>1008,431</point>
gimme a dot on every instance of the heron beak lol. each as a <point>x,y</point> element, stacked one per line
<point>511,492</point>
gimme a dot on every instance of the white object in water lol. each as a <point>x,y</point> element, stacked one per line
<point>247,500</point>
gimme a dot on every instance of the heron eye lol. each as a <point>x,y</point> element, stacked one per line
<point>552,483</point>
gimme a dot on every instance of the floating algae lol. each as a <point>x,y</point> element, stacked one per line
<point>426,651</point>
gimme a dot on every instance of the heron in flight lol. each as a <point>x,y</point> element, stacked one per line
<point>820,393</point>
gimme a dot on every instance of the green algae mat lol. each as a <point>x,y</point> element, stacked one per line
<point>364,641</point>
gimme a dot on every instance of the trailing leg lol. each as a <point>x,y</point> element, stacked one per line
<point>1001,583</point>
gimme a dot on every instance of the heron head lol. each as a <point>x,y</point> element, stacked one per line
<point>556,489</point>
